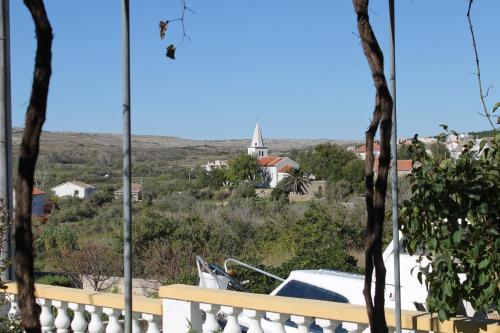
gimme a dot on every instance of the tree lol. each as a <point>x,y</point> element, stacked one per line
<point>35,117</point>
<point>404,151</point>
<point>325,161</point>
<point>375,193</point>
<point>296,182</point>
<point>439,151</point>
<point>96,263</point>
<point>453,221</point>
<point>243,168</point>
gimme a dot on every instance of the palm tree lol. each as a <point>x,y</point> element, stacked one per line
<point>296,182</point>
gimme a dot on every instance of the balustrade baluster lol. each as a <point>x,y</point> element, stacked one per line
<point>210,323</point>
<point>278,320</point>
<point>328,326</point>
<point>136,328</point>
<point>46,316</point>
<point>354,327</point>
<point>113,323</point>
<point>79,323</point>
<point>96,325</point>
<point>62,321</point>
<point>152,323</point>
<point>232,313</point>
<point>254,317</point>
<point>303,323</point>
<point>14,311</point>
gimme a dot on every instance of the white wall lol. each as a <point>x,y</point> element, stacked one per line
<point>68,189</point>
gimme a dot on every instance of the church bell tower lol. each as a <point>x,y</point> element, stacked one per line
<point>257,147</point>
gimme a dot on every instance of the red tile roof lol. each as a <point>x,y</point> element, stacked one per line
<point>37,191</point>
<point>362,149</point>
<point>269,161</point>
<point>286,169</point>
<point>403,165</point>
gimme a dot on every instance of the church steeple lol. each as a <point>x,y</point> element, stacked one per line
<point>257,147</point>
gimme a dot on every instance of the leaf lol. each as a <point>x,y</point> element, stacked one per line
<point>171,51</point>
<point>484,263</point>
<point>163,28</point>
<point>457,236</point>
<point>497,105</point>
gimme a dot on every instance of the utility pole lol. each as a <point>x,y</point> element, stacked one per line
<point>127,166</point>
<point>394,171</point>
<point>5,137</point>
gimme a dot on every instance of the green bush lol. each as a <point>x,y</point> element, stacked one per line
<point>55,280</point>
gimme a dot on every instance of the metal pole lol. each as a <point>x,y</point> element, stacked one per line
<point>394,171</point>
<point>127,161</point>
<point>5,135</point>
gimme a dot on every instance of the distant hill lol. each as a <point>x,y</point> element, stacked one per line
<point>183,151</point>
<point>483,134</point>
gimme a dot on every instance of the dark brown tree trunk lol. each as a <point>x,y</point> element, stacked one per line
<point>35,117</point>
<point>375,190</point>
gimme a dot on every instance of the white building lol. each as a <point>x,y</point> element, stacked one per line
<point>274,168</point>
<point>257,147</point>
<point>361,151</point>
<point>217,164</point>
<point>74,189</point>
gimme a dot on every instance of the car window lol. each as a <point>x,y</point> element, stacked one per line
<point>299,289</point>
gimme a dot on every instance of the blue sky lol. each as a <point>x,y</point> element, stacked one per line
<point>296,65</point>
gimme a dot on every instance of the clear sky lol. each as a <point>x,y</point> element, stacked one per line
<point>296,65</point>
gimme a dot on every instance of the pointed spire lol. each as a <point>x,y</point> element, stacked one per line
<point>257,137</point>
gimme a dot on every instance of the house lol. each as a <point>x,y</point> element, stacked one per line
<point>361,151</point>
<point>274,168</point>
<point>217,164</point>
<point>136,192</point>
<point>404,167</point>
<point>74,188</point>
<point>39,202</point>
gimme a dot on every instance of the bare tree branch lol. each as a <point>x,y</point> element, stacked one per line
<point>478,73</point>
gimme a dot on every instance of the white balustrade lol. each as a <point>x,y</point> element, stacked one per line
<point>62,321</point>
<point>254,318</point>
<point>303,323</point>
<point>96,325</point>
<point>328,326</point>
<point>232,313</point>
<point>79,323</point>
<point>136,328</point>
<point>278,321</point>
<point>152,321</point>
<point>113,323</point>
<point>14,311</point>
<point>46,316</point>
<point>354,327</point>
<point>210,325</point>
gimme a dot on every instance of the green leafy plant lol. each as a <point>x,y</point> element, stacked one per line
<point>452,222</point>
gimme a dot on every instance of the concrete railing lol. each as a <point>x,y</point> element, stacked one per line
<point>88,308</point>
<point>184,309</point>
<point>198,308</point>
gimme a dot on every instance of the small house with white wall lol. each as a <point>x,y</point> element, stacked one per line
<point>361,151</point>
<point>135,192</point>
<point>74,189</point>
<point>38,204</point>
<point>217,164</point>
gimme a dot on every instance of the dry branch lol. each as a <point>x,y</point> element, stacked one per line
<point>375,190</point>
<point>35,117</point>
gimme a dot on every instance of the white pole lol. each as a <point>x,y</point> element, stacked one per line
<point>5,135</point>
<point>394,172</point>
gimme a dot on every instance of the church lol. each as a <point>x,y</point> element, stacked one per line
<point>274,168</point>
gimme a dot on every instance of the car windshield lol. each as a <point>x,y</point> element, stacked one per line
<point>299,289</point>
